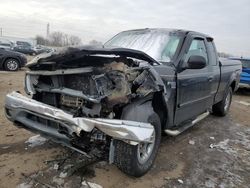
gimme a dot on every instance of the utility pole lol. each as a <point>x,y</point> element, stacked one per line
<point>1,31</point>
<point>47,31</point>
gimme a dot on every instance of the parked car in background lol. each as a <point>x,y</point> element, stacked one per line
<point>42,49</point>
<point>24,47</point>
<point>23,43</point>
<point>11,61</point>
<point>25,50</point>
<point>6,44</point>
<point>245,75</point>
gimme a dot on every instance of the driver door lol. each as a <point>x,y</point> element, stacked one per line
<point>193,85</point>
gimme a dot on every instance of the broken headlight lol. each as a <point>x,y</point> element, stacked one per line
<point>30,81</point>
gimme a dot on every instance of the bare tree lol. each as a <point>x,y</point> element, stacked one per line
<point>95,43</point>
<point>56,38</point>
<point>74,40</point>
<point>65,40</point>
<point>41,40</point>
<point>59,39</point>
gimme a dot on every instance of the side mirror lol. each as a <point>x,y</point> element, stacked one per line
<point>196,62</point>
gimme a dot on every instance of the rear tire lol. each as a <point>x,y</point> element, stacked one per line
<point>222,108</point>
<point>11,65</point>
<point>137,160</point>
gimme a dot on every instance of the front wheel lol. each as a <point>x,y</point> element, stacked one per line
<point>222,108</point>
<point>11,65</point>
<point>137,160</point>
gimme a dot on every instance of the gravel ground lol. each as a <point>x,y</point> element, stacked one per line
<point>214,153</point>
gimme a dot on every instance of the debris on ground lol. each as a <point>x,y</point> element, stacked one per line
<point>191,142</point>
<point>32,179</point>
<point>87,184</point>
<point>7,135</point>
<point>64,170</point>
<point>25,185</point>
<point>243,102</point>
<point>59,181</point>
<point>63,175</point>
<point>211,137</point>
<point>56,166</point>
<point>211,146</point>
<point>167,178</point>
<point>5,147</point>
<point>36,140</point>
<point>180,181</point>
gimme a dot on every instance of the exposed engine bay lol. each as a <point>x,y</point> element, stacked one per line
<point>90,87</point>
<point>99,91</point>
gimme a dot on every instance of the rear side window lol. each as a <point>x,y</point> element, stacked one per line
<point>198,48</point>
<point>212,53</point>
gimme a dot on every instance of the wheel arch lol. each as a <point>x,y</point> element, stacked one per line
<point>139,110</point>
<point>233,85</point>
<point>160,108</point>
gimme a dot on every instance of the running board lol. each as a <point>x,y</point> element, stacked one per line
<point>185,127</point>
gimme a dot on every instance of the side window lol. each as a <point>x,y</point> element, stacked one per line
<point>197,47</point>
<point>212,53</point>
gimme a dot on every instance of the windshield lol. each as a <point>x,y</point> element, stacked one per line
<point>159,44</point>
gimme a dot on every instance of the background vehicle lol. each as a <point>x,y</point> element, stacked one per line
<point>11,61</point>
<point>6,44</point>
<point>42,49</point>
<point>25,50</point>
<point>124,95</point>
<point>245,75</point>
<point>23,43</point>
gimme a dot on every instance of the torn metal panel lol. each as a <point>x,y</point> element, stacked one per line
<point>18,107</point>
<point>111,85</point>
<point>67,55</point>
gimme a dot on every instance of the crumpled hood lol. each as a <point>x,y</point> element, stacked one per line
<point>70,53</point>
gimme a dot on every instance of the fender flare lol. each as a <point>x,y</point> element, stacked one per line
<point>231,80</point>
<point>139,110</point>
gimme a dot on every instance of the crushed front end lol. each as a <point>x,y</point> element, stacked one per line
<point>77,98</point>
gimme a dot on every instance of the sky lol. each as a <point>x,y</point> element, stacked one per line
<point>227,21</point>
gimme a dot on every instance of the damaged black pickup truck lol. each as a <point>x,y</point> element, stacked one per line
<point>120,98</point>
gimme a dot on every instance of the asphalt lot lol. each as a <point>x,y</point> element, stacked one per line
<point>214,153</point>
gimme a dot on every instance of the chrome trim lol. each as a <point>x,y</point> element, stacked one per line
<point>185,127</point>
<point>17,105</point>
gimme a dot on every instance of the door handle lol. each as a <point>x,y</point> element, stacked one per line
<point>210,79</point>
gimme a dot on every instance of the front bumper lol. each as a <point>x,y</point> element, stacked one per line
<point>22,110</point>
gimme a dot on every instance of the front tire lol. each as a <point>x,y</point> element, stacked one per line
<point>222,108</point>
<point>11,65</point>
<point>137,160</point>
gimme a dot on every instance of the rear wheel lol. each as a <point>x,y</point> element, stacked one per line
<point>137,160</point>
<point>11,65</point>
<point>222,108</point>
